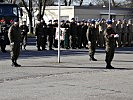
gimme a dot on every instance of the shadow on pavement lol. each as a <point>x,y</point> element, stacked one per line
<point>79,67</point>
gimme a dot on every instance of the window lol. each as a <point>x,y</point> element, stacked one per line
<point>15,11</point>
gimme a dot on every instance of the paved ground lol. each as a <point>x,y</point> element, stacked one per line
<point>75,78</point>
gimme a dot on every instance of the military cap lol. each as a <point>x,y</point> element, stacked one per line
<point>109,21</point>
<point>67,21</point>
<point>92,21</point>
<point>62,20</point>
<point>55,21</point>
<point>79,22</point>
<point>50,21</point>
<point>73,19</point>
<point>15,20</point>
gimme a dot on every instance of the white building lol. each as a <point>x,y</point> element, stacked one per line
<point>83,12</point>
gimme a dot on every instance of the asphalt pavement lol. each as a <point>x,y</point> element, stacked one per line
<point>41,77</point>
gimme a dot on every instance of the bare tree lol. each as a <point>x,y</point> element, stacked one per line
<point>29,11</point>
<point>42,6</point>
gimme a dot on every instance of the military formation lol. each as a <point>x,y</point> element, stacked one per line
<point>76,35</point>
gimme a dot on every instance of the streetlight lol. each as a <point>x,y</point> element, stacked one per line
<point>59,31</point>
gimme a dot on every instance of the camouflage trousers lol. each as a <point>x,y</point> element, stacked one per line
<point>15,51</point>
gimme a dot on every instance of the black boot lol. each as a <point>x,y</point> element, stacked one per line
<point>16,64</point>
<point>13,63</point>
<point>92,59</point>
<point>108,66</point>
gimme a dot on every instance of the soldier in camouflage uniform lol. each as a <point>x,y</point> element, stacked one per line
<point>14,35</point>
<point>109,35</point>
<point>92,38</point>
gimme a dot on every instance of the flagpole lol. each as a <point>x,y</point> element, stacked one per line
<point>59,31</point>
<point>109,8</point>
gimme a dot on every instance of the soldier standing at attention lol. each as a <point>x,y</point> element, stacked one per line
<point>73,33</point>
<point>102,27</point>
<point>119,31</point>
<point>14,35</point>
<point>39,33</point>
<point>67,35</point>
<point>92,38</point>
<point>124,32</point>
<point>55,25</point>
<point>50,32</point>
<point>129,32</point>
<point>110,41</point>
<point>24,30</point>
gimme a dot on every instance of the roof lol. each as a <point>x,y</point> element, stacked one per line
<point>9,4</point>
<point>102,8</point>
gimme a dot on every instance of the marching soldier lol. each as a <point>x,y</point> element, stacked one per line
<point>110,36</point>
<point>14,35</point>
<point>92,38</point>
<point>24,31</point>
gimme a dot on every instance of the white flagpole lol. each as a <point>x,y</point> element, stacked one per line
<point>109,8</point>
<point>59,31</point>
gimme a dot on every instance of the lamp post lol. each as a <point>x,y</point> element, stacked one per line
<point>59,31</point>
<point>109,9</point>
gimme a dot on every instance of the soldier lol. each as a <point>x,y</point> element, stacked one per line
<point>92,38</point>
<point>50,33</point>
<point>110,36</point>
<point>63,24</point>
<point>79,34</point>
<point>84,30</point>
<point>119,31</point>
<point>39,33</point>
<point>14,35</point>
<point>73,33</point>
<point>67,35</point>
<point>124,33</point>
<point>102,27</point>
<point>4,36</point>
<point>129,32</point>
<point>55,25</point>
<point>24,31</point>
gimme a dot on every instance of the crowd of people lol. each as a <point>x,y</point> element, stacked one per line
<point>75,33</point>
